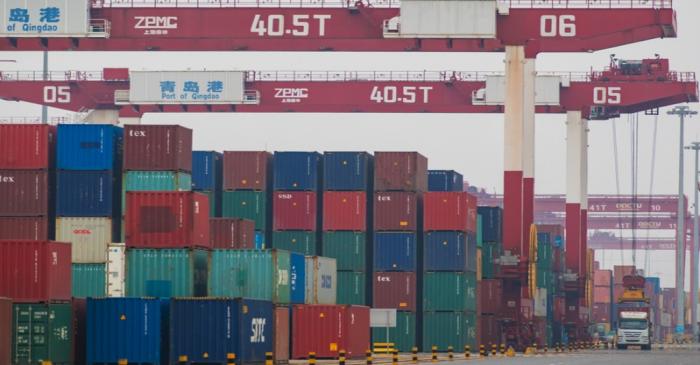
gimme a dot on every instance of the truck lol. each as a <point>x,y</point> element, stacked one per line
<point>634,327</point>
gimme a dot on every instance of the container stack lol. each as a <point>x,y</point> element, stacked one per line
<point>296,204</point>
<point>400,178</point>
<point>652,290</point>
<point>602,301</point>
<point>619,272</point>
<point>449,270</point>
<point>347,179</point>
<point>88,204</point>
<point>548,270</point>
<point>489,287</point>
<point>247,184</point>
<point>26,181</point>
<point>207,178</point>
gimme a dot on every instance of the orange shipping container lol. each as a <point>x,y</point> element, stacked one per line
<point>601,294</point>
<point>602,278</point>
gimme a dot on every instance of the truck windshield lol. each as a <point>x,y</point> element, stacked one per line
<point>633,324</point>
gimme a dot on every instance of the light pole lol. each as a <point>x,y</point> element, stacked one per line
<point>694,252</point>
<point>682,111</point>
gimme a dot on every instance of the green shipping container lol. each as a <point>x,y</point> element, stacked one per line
<point>166,272</point>
<point>42,332</point>
<point>349,249</point>
<point>443,329</point>
<point>489,253</point>
<point>295,241</point>
<point>155,181</point>
<point>89,280</point>
<point>472,321</point>
<point>479,232</point>
<point>246,204</point>
<point>352,287</point>
<point>449,291</point>
<point>254,274</point>
<point>545,279</point>
<point>403,335</point>
<point>544,257</point>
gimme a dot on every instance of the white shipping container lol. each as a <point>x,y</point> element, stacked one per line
<point>116,270</point>
<point>547,90</point>
<point>88,236</point>
<point>186,87</point>
<point>541,302</point>
<point>48,18</point>
<point>321,280</point>
<point>448,19</point>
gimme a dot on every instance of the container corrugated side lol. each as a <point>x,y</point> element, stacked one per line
<point>349,249</point>
<point>89,280</point>
<point>352,287</point>
<point>157,147</point>
<point>445,251</point>
<point>400,171</point>
<point>35,271</point>
<point>87,194</point>
<point>445,180</point>
<point>397,211</point>
<point>254,274</point>
<point>295,210</point>
<point>42,332</point>
<point>253,205</point>
<point>297,278</point>
<point>207,170</point>
<point>166,272</point>
<point>25,228</point>
<point>247,170</point>
<point>449,291</point>
<point>395,290</point>
<point>327,329</point>
<point>232,233</point>
<point>296,241</point>
<point>281,332</point>
<point>155,181</point>
<point>5,330</point>
<point>344,211</point>
<point>321,280</point>
<point>27,146</point>
<point>449,211</point>
<point>347,171</point>
<point>297,171</point>
<point>395,251</point>
<point>443,329</point>
<point>403,336</point>
<point>116,270</point>
<point>491,223</point>
<point>89,237</point>
<point>89,147</point>
<point>126,328</point>
<point>25,193</point>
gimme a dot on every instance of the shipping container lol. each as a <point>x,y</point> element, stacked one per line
<point>352,287</point>
<point>601,313</point>
<point>654,284</point>
<point>396,211</point>
<point>251,205</point>
<point>602,294</point>
<point>25,228</point>
<point>297,171</point>
<point>157,147</point>
<point>42,332</point>
<point>491,295</point>
<point>540,303</point>
<point>89,237</point>
<point>406,171</point>
<point>167,220</point>
<point>449,291</point>
<point>126,328</point>
<point>157,181</point>
<point>25,193</point>
<point>5,330</point>
<point>449,211</point>
<point>304,242</point>
<point>491,223</point>
<point>260,241</point>
<point>207,170</point>
<point>394,290</point>
<point>344,211</point>
<point>247,170</point>
<point>89,280</point>
<point>89,147</point>
<point>35,271</point>
<point>116,270</point>
<point>282,326</point>
<point>79,308</point>
<point>207,330</point>
<point>444,329</point>
<point>445,251</point>
<point>347,171</point>
<point>490,330</point>
<point>297,278</point>
<point>490,253</point>
<point>255,274</point>
<point>294,210</point>
<point>395,251</point>
<point>166,272</point>
<point>445,180</point>
<point>403,336</point>
<point>349,249</point>
<point>327,329</point>
<point>27,146</point>
<point>214,202</point>
<point>87,194</point>
<point>602,278</point>
<point>321,280</point>
<point>231,233</point>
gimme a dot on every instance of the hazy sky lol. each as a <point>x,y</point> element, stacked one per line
<point>469,143</point>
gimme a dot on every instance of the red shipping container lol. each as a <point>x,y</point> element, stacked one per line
<point>231,233</point>
<point>282,327</point>
<point>395,290</point>
<point>559,309</point>
<point>620,271</point>
<point>115,74</point>
<point>157,147</point>
<point>396,211</point>
<point>247,170</point>
<point>327,329</point>
<point>5,330</point>
<point>490,330</point>
<point>344,211</point>
<point>601,313</point>
<point>24,228</point>
<point>35,271</point>
<point>27,146</point>
<point>405,171</point>
<point>449,211</point>
<point>24,193</point>
<point>527,308</point>
<point>294,210</point>
<point>491,296</point>
<point>602,294</point>
<point>163,219</point>
<point>572,312</point>
<point>79,306</point>
<point>602,278</point>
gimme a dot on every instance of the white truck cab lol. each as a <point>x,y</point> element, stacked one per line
<point>634,329</point>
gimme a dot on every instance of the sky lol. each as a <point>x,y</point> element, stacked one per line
<point>469,143</point>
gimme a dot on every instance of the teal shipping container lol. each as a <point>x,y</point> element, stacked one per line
<point>479,231</point>
<point>245,204</point>
<point>155,181</point>
<point>403,336</point>
<point>89,280</point>
<point>348,248</point>
<point>490,252</point>
<point>166,272</point>
<point>449,291</point>
<point>253,274</point>
<point>444,329</point>
<point>296,241</point>
<point>352,287</point>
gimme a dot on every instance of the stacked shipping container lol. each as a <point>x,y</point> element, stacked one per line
<point>549,292</point>
<point>602,311</point>
<point>207,178</point>
<point>489,288</point>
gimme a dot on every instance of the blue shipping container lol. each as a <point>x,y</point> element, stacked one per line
<point>347,171</point>
<point>87,194</point>
<point>260,240</point>
<point>491,223</point>
<point>471,252</point>
<point>445,251</point>
<point>207,169</point>
<point>656,283</point>
<point>297,170</point>
<point>395,251</point>
<point>126,328</point>
<point>297,280</point>
<point>89,147</point>
<point>445,180</point>
<point>206,330</point>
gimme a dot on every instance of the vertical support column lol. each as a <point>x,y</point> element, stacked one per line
<point>584,196</point>
<point>575,255</point>
<point>529,78</point>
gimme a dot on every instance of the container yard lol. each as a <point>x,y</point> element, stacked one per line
<point>134,230</point>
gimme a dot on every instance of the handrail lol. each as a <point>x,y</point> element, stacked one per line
<point>518,4</point>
